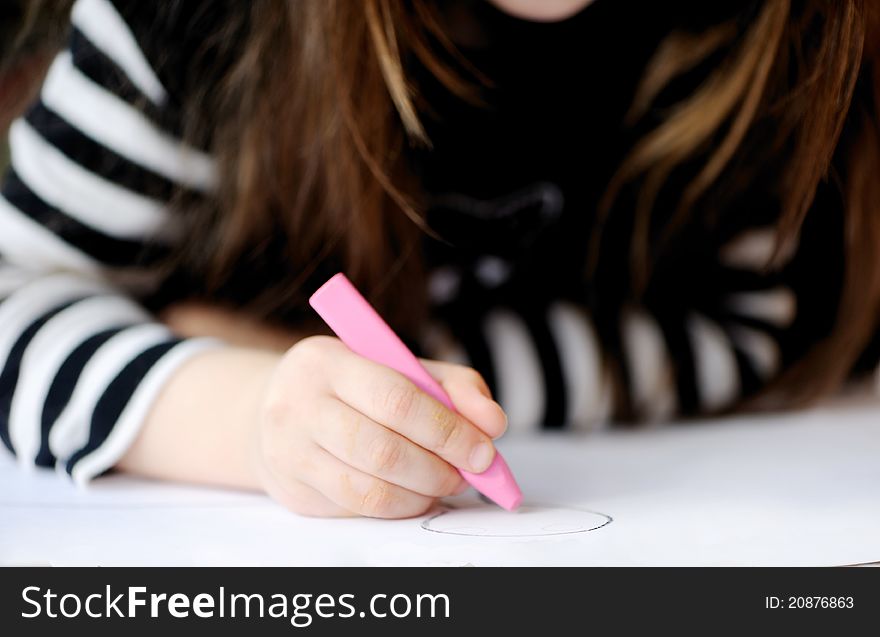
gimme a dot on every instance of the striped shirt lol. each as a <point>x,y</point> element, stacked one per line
<point>85,220</point>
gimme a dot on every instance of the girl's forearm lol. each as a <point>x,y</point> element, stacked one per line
<point>201,427</point>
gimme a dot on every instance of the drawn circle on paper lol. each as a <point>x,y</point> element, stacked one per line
<point>530,520</point>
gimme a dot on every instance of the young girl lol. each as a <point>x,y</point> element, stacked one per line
<point>611,210</point>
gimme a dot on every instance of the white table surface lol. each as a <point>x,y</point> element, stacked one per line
<point>796,489</point>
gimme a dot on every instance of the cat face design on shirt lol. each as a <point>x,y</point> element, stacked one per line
<point>482,239</point>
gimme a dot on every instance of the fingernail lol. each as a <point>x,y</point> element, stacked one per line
<point>481,457</point>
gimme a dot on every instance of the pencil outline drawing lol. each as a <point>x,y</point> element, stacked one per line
<point>607,519</point>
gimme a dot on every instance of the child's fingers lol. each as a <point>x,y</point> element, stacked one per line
<point>303,499</point>
<point>361,493</point>
<point>392,400</point>
<point>376,450</point>
<point>470,394</point>
<point>290,460</point>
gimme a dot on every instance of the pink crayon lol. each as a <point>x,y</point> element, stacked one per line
<point>361,328</point>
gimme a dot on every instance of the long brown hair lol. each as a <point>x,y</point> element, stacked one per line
<point>311,120</point>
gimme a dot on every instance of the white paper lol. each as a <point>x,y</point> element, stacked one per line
<point>797,489</point>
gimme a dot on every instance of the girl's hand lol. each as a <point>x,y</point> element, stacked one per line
<point>340,435</point>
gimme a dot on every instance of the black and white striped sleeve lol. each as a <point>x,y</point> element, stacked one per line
<point>83,222</point>
<point>716,327</point>
<point>712,332</point>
